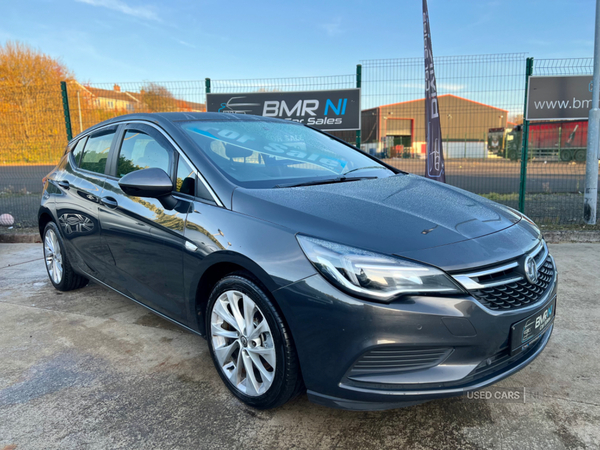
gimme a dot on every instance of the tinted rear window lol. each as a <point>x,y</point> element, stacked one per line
<point>78,149</point>
<point>96,151</point>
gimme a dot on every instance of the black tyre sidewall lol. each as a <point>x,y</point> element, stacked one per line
<point>65,260</point>
<point>273,395</point>
<point>566,155</point>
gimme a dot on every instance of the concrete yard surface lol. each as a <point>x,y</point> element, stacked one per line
<point>90,369</point>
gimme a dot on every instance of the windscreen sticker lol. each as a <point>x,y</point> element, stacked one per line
<point>202,132</point>
<point>274,149</point>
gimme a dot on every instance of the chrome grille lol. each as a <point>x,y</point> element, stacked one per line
<point>518,294</point>
<point>505,287</point>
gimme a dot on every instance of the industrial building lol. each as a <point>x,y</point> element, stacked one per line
<point>398,129</point>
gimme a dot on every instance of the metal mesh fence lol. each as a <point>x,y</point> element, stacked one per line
<point>33,128</point>
<point>284,84</point>
<point>32,135</point>
<point>480,101</point>
<point>93,103</point>
<point>557,154</point>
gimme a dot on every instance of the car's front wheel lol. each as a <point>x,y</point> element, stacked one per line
<point>59,268</point>
<point>250,344</point>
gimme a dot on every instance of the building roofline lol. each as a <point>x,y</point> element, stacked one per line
<point>82,87</point>
<point>440,96</point>
<point>129,94</point>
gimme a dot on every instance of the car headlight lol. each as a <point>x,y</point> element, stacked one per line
<point>373,275</point>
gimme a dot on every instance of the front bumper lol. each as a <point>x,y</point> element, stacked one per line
<point>396,398</point>
<point>332,331</point>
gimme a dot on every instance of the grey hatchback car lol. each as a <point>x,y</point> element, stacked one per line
<point>305,263</point>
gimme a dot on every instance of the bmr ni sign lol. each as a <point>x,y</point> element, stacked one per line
<point>559,97</point>
<point>327,110</point>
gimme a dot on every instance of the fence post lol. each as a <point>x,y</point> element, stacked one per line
<point>590,194</point>
<point>525,137</point>
<point>67,113</point>
<point>207,85</point>
<point>358,85</point>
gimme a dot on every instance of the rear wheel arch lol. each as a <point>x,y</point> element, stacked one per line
<point>44,218</point>
<point>56,252</point>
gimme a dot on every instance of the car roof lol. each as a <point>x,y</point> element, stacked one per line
<point>166,117</point>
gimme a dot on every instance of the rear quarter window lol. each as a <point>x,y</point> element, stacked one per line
<point>78,150</point>
<point>95,153</point>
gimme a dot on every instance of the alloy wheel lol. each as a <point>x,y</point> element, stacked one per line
<point>243,343</point>
<point>53,256</point>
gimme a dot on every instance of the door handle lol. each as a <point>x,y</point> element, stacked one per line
<point>109,202</point>
<point>64,184</point>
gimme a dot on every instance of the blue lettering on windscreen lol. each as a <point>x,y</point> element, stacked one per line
<point>273,149</point>
<point>202,132</point>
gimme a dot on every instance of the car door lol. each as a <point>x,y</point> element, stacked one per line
<point>145,238</point>
<point>81,182</point>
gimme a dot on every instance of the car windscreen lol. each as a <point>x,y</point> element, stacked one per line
<point>265,154</point>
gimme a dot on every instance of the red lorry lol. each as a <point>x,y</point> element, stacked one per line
<point>554,140</point>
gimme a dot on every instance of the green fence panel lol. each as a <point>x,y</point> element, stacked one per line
<point>480,102</point>
<point>525,140</point>
<point>358,85</point>
<point>556,157</point>
<point>65,100</point>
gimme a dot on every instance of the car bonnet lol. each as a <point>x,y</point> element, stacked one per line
<point>396,214</point>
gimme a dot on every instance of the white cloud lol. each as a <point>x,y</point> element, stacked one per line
<point>451,87</point>
<point>444,87</point>
<point>187,44</point>
<point>540,42</point>
<point>333,28</point>
<point>141,12</point>
<point>420,86</point>
<point>584,42</point>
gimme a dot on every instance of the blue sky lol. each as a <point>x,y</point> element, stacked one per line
<point>133,40</point>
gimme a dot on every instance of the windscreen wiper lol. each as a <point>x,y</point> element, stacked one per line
<point>341,179</point>
<point>363,168</point>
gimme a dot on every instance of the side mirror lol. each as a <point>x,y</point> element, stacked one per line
<point>150,183</point>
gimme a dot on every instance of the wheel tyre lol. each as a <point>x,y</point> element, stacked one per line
<point>69,280</point>
<point>287,382</point>
<point>580,155</point>
<point>566,155</point>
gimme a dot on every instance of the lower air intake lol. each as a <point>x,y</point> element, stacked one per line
<point>398,359</point>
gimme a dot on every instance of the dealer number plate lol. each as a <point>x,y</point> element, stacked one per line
<point>526,332</point>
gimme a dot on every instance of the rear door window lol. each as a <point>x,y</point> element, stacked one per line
<point>96,151</point>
